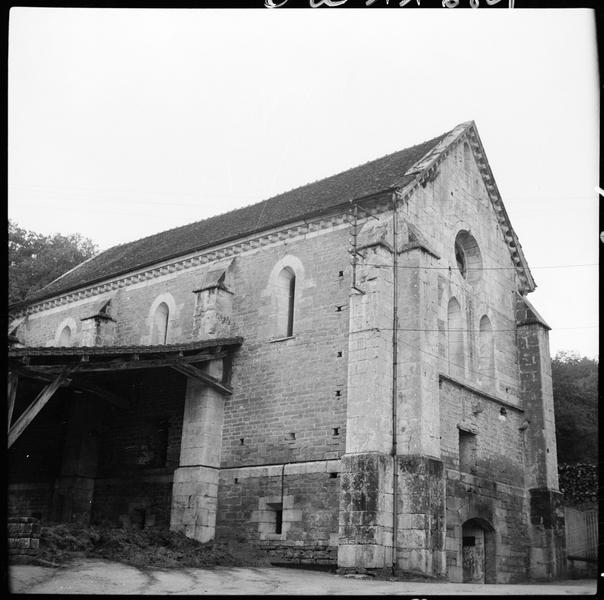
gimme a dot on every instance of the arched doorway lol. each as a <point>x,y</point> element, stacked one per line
<point>478,551</point>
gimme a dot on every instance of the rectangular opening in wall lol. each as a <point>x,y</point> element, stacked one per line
<point>276,517</point>
<point>138,518</point>
<point>467,451</point>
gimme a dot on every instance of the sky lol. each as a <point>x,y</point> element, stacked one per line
<point>126,122</point>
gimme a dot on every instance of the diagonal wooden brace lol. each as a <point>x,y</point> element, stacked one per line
<point>35,407</point>
<point>13,380</point>
<point>192,371</point>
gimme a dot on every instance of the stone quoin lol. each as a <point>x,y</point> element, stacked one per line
<point>348,373</point>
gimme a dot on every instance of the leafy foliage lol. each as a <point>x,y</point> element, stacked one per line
<point>575,383</point>
<point>34,260</point>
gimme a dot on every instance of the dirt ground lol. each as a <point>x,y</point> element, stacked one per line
<point>97,576</point>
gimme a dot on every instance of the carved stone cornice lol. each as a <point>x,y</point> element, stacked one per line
<point>297,230</point>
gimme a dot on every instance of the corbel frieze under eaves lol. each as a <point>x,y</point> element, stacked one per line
<point>290,232</point>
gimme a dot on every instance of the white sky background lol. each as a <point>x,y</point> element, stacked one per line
<point>123,123</point>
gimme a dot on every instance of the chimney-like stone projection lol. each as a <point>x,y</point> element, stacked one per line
<point>99,329</point>
<point>214,303</point>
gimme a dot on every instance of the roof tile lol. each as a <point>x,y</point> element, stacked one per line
<point>314,198</point>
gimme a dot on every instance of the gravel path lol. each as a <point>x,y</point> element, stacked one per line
<point>90,576</point>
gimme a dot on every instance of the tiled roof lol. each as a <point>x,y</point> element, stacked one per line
<point>314,198</point>
<point>105,351</point>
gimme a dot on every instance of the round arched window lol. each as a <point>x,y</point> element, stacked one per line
<point>468,257</point>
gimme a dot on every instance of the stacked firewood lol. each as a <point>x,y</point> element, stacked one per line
<point>578,483</point>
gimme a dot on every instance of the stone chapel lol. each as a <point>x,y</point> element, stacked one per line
<point>348,373</point>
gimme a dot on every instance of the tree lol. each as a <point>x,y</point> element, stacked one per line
<point>34,260</point>
<point>575,383</point>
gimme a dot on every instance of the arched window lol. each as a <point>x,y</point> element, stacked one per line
<point>65,336</point>
<point>486,352</point>
<point>286,291</point>
<point>159,333</point>
<point>455,341</point>
<point>468,257</point>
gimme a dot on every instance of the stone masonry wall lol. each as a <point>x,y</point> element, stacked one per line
<point>289,401</point>
<point>23,537</point>
<point>456,199</point>
<point>290,395</point>
<point>281,387</point>
<point>308,493</point>
<point>493,489</point>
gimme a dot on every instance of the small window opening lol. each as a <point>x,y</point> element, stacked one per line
<point>340,273</point>
<point>339,354</point>
<point>276,513</point>
<point>333,475</point>
<point>338,309</point>
<point>138,518</point>
<point>236,480</point>
<point>291,436</point>
<point>338,392</point>
<point>285,294</point>
<point>503,413</point>
<point>278,520</point>
<point>241,441</point>
<point>336,431</point>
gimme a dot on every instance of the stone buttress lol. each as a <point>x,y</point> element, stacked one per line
<point>547,558</point>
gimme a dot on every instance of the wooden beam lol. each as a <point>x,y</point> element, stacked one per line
<point>34,408</point>
<point>191,371</point>
<point>13,380</point>
<point>85,386</point>
<point>125,365</point>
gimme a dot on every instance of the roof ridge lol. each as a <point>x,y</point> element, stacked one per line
<point>311,198</point>
<point>288,191</point>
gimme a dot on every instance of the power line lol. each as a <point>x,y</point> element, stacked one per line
<point>466,368</point>
<point>483,268</point>
<point>458,330</point>
<point>414,347</point>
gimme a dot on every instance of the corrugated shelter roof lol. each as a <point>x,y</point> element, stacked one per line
<point>315,198</point>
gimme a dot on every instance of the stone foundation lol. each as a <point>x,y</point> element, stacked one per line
<point>249,499</point>
<point>23,537</point>
<point>366,512</point>
<point>420,536</point>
